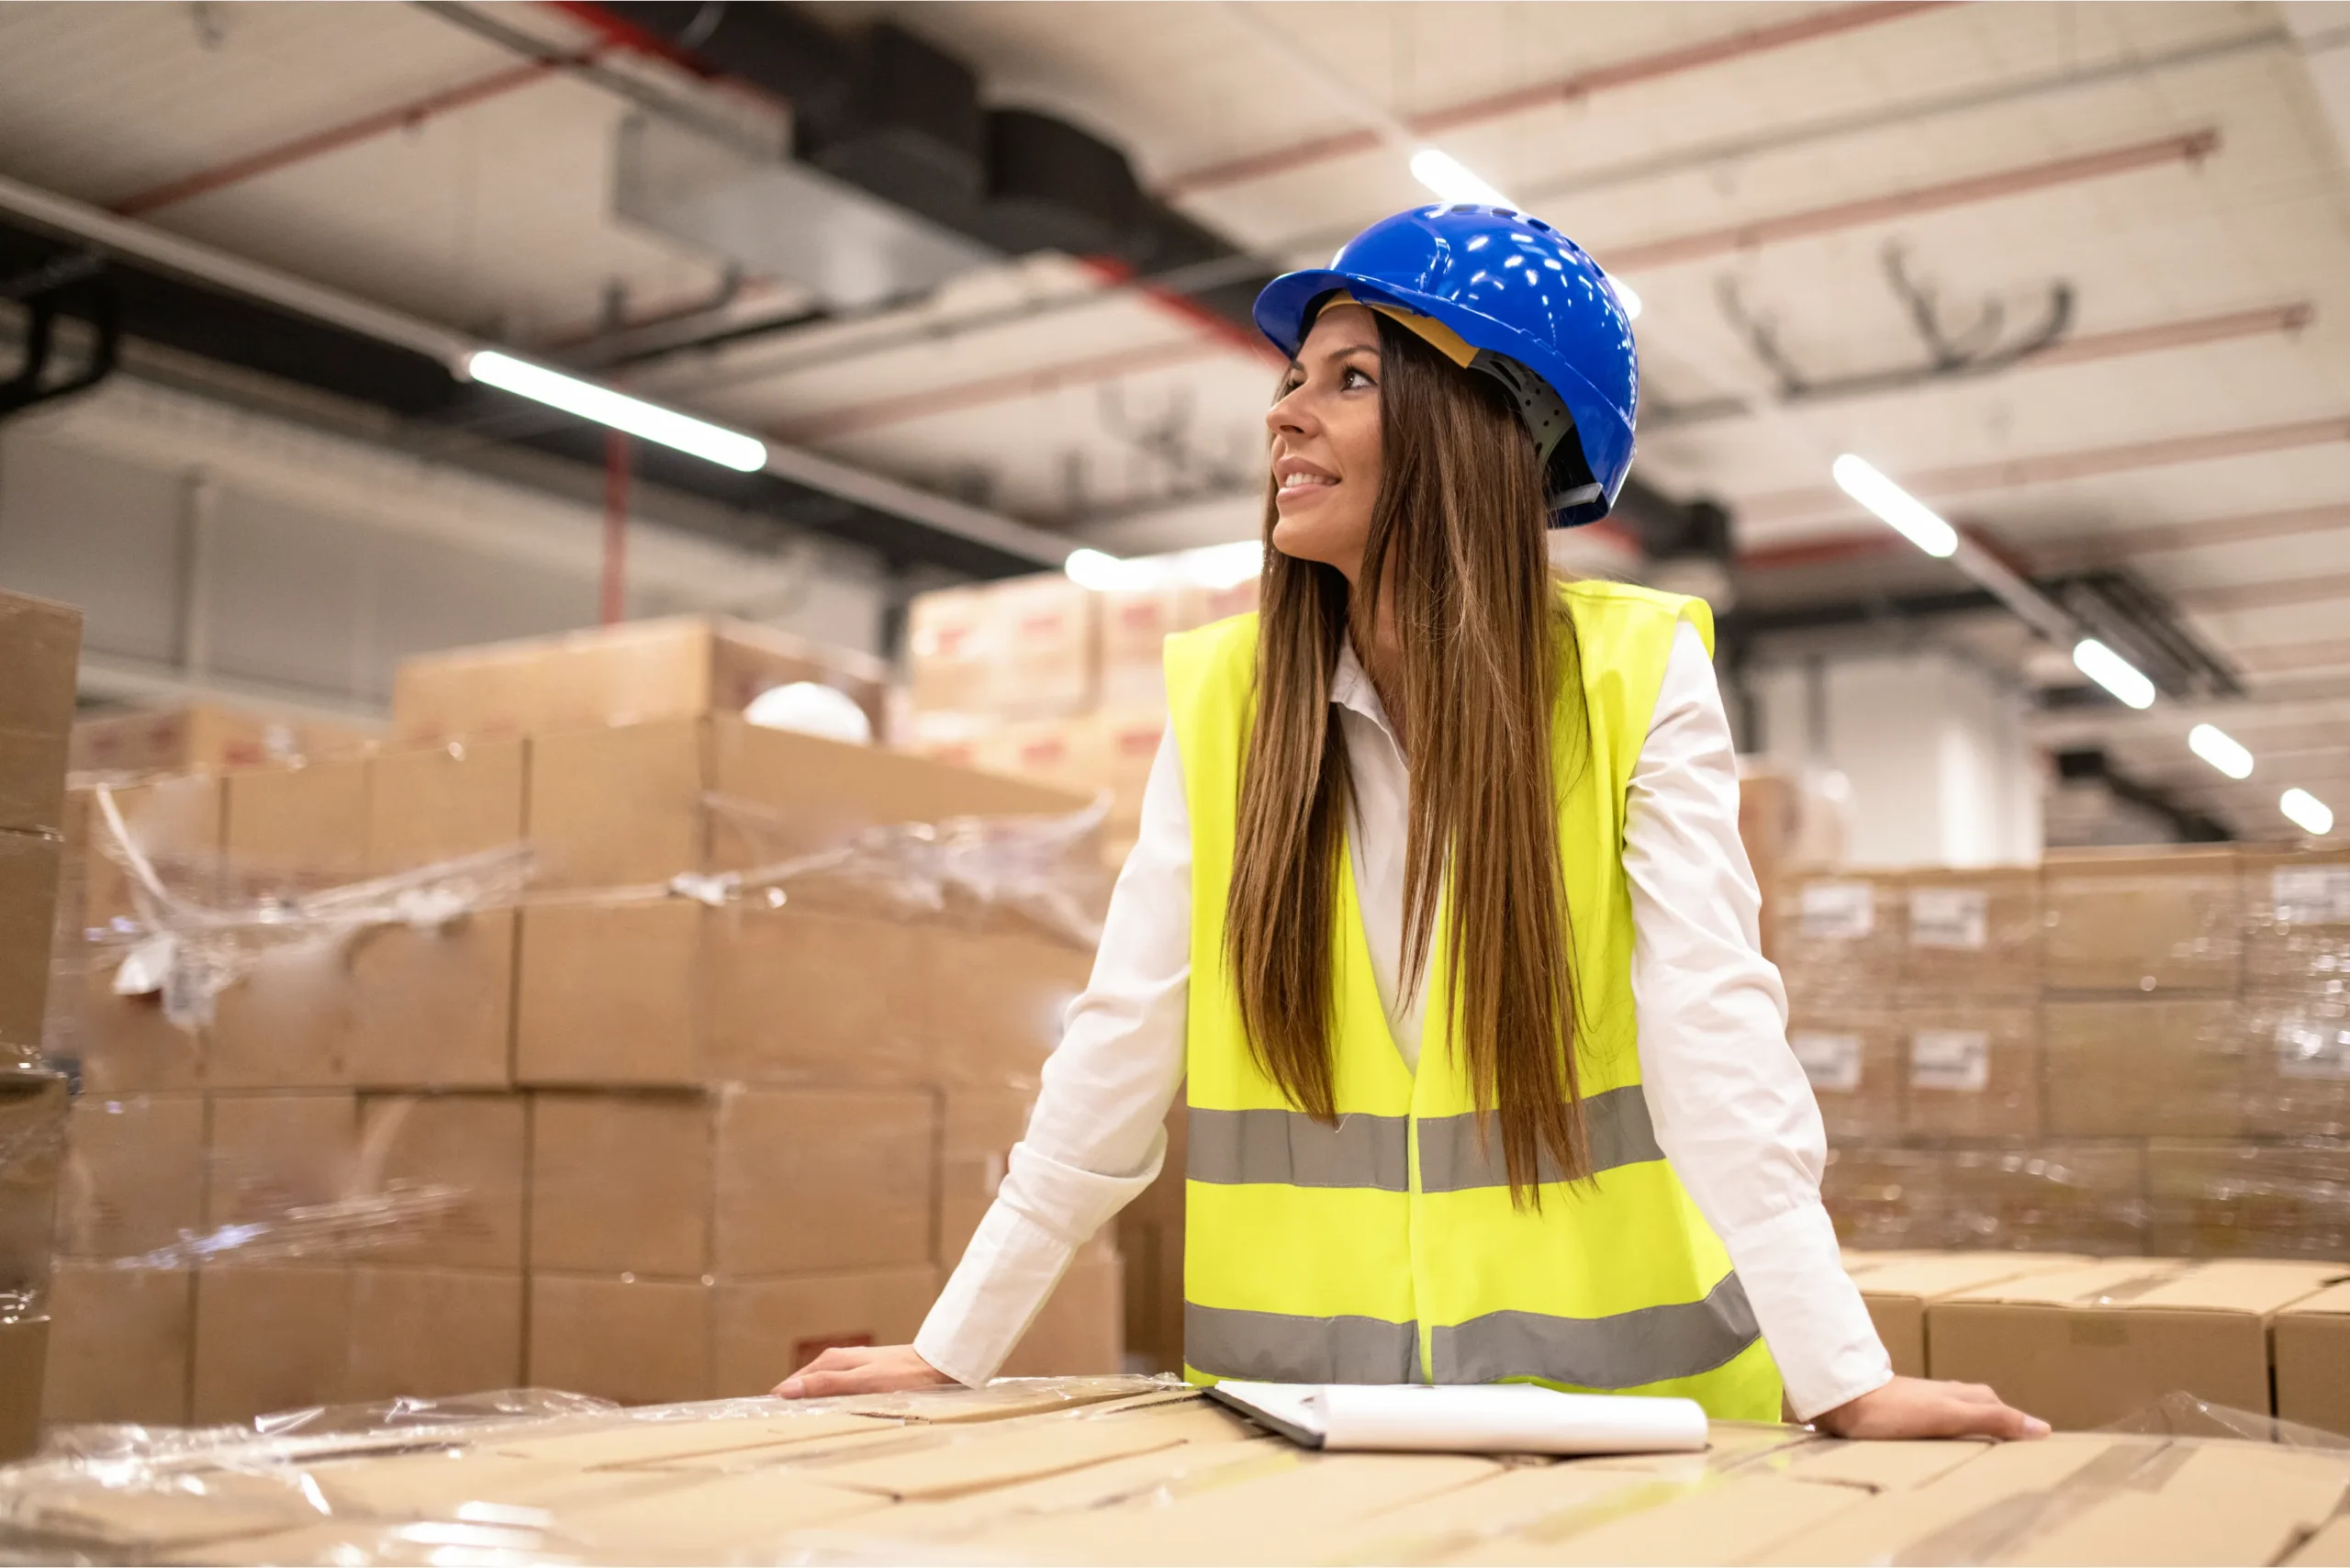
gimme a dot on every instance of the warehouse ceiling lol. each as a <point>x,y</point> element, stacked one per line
<point>2077,275</point>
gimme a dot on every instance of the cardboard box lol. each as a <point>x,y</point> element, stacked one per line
<point>1883,1197</point>
<point>119,1347</point>
<point>806,996</point>
<point>1974,935</point>
<point>2296,922</point>
<point>1125,746</point>
<point>449,1171</point>
<point>763,1331</point>
<point>628,805</point>
<point>995,1002</point>
<point>628,1338</point>
<point>1135,624</point>
<point>742,1182</point>
<point>1856,1056</point>
<point>610,994</point>
<point>1973,1069</point>
<point>2297,1064</point>
<point>24,1361</point>
<point>677,668</point>
<point>1897,1288</point>
<point>432,1333</point>
<point>40,648</point>
<point>2246,1199</point>
<point>33,1113</point>
<point>269,1339</point>
<point>824,1181</point>
<point>289,831</point>
<point>1025,647</point>
<point>1839,936</point>
<point>28,868</point>
<point>976,1130</point>
<point>207,736</point>
<point>2083,1347</point>
<point>1082,1326</point>
<point>134,1175</point>
<point>2069,1197</point>
<point>2145,922</point>
<point>622,1183</point>
<point>2311,1339</point>
<point>434,1008</point>
<point>2144,1069</point>
<point>272,1160</point>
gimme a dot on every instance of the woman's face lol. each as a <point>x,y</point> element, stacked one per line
<point>1325,448</point>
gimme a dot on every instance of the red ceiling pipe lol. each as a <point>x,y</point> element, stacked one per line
<point>1819,24</point>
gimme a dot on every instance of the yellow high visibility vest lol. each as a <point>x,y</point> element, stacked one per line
<point>1385,1249</point>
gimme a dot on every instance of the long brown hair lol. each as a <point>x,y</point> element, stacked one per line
<point>1457,538</point>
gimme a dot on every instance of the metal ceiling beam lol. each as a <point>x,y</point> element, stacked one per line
<point>232,274</point>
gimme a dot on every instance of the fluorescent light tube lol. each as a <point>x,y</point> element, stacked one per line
<point>1105,573</point>
<point>650,422</point>
<point>2221,749</point>
<point>1908,516</point>
<point>1451,180</point>
<point>2306,811</point>
<point>2113,672</point>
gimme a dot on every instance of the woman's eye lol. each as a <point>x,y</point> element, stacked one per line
<point>1354,377</point>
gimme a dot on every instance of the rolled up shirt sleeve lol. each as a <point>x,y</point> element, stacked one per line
<point>1732,1109</point>
<point>1097,1136</point>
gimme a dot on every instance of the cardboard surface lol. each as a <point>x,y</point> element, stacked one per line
<point>435,1009</point>
<point>1973,1070</point>
<point>799,996</point>
<point>623,1183</point>
<point>2311,1338</point>
<point>1080,1328</point>
<point>454,1167</point>
<point>2144,1069</point>
<point>432,1333</point>
<point>976,1130</point>
<point>120,1347</point>
<point>40,644</point>
<point>24,1361</point>
<point>28,871</point>
<point>1897,1291</point>
<point>209,736</point>
<point>2084,1347</point>
<point>33,1116</point>
<point>2297,1060</point>
<point>134,1174</point>
<point>269,1339</point>
<point>763,1331</point>
<point>267,1155</point>
<point>820,1180</point>
<point>2214,1199</point>
<point>618,807</point>
<point>630,1339</point>
<point>606,996</point>
<point>1972,934</point>
<point>2129,921</point>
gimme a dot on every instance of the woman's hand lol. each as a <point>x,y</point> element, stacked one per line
<point>862,1369</point>
<point>1924,1407</point>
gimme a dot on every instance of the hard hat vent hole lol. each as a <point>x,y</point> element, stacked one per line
<point>1537,223</point>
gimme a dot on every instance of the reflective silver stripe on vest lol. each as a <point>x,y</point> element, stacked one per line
<point>1291,1148</point>
<point>1276,1347</point>
<point>1453,1158</point>
<point>1628,1350</point>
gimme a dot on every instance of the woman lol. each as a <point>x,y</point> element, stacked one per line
<point>1441,905</point>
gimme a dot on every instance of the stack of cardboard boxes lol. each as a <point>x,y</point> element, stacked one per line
<point>2114,1053</point>
<point>40,646</point>
<point>1042,678</point>
<point>658,1128</point>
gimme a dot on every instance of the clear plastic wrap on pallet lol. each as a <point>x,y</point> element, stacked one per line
<point>2072,1197</point>
<point>2144,923</point>
<point>530,1475</point>
<point>2240,1198</point>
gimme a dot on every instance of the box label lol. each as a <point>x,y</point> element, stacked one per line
<point>1832,1062</point>
<point>1949,917</point>
<point>1838,912</point>
<point>2313,1048</point>
<point>2311,895</point>
<point>1957,1061</point>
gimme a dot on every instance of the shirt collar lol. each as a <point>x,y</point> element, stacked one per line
<point>1350,687</point>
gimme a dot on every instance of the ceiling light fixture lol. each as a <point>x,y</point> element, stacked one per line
<point>1453,180</point>
<point>1905,513</point>
<point>2221,749</point>
<point>2113,672</point>
<point>1105,573</point>
<point>2306,811</point>
<point>649,421</point>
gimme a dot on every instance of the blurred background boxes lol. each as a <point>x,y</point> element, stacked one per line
<point>209,736</point>
<point>1974,1068</point>
<point>2130,921</point>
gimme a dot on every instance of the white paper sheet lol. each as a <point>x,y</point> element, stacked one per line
<point>1473,1419</point>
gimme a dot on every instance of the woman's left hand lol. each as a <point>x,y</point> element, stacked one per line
<point>1923,1407</point>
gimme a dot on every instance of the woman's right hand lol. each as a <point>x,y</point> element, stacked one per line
<point>862,1369</point>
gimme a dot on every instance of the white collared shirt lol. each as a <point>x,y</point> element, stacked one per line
<point>1732,1109</point>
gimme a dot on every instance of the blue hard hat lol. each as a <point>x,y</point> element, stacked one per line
<point>1523,298</point>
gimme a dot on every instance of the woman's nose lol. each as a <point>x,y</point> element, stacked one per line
<point>1289,414</point>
